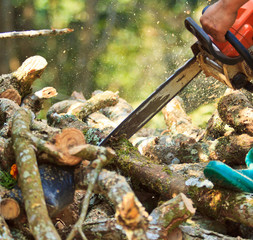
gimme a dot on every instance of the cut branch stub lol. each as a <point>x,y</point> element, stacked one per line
<point>36,100</point>
<point>9,208</point>
<point>172,213</point>
<point>31,68</point>
<point>46,92</point>
<point>131,215</point>
<point>28,72</point>
<point>66,140</point>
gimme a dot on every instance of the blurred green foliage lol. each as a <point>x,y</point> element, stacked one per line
<point>130,46</point>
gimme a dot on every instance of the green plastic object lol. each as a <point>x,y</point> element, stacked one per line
<point>249,159</point>
<point>224,176</point>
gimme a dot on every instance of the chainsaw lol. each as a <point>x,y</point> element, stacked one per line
<point>231,63</point>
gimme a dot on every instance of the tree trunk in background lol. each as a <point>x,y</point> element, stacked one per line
<point>24,16</point>
<point>6,19</point>
<point>92,43</point>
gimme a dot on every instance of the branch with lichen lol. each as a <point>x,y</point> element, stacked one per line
<point>4,230</point>
<point>129,212</point>
<point>98,163</point>
<point>35,33</point>
<point>104,155</point>
<point>83,108</point>
<point>29,178</point>
<point>189,179</point>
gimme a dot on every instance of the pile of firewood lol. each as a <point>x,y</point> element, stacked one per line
<point>151,187</point>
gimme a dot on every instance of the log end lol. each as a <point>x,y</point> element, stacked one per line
<point>47,92</point>
<point>65,142</point>
<point>9,208</point>
<point>31,69</point>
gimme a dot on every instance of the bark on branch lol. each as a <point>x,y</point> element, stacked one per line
<point>35,33</point>
<point>30,183</point>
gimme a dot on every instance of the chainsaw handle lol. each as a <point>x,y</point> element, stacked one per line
<point>207,43</point>
<point>238,46</point>
<point>244,53</point>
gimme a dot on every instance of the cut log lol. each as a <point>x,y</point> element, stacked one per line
<point>67,139</point>
<point>42,130</point>
<point>169,181</point>
<point>57,117</point>
<point>93,176</point>
<point>6,154</point>
<point>118,112</point>
<point>99,121</point>
<point>58,151</point>
<point>237,111</point>
<point>9,208</point>
<point>31,69</point>
<point>11,94</point>
<point>164,219</point>
<point>231,149</point>
<point>215,127</point>
<point>91,152</point>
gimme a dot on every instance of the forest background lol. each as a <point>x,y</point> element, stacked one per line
<point>130,46</point>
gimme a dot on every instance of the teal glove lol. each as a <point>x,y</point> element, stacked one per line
<point>224,176</point>
<point>249,159</point>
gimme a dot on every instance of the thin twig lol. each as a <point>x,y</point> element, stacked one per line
<point>35,33</point>
<point>94,176</point>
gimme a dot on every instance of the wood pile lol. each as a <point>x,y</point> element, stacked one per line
<point>151,187</point>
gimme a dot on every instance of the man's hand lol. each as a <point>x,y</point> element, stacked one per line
<point>219,17</point>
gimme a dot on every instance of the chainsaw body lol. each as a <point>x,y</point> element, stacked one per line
<point>231,62</point>
<point>235,76</point>
<point>242,29</point>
